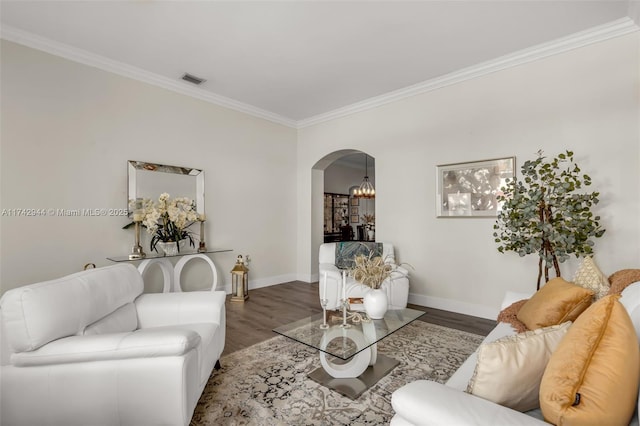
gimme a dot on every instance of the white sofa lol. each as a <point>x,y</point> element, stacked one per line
<point>430,403</point>
<point>397,286</point>
<point>91,349</point>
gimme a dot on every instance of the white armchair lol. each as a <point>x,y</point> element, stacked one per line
<point>90,348</point>
<point>397,286</point>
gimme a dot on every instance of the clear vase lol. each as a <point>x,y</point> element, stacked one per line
<point>376,303</point>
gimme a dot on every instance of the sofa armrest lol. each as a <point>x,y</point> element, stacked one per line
<point>167,309</point>
<point>329,268</point>
<point>400,270</point>
<point>150,343</point>
<point>425,402</point>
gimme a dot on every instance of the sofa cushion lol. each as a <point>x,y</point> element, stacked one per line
<point>589,276</point>
<point>592,377</point>
<point>556,302</point>
<point>509,370</point>
<point>139,344</point>
<point>39,313</point>
<point>121,320</point>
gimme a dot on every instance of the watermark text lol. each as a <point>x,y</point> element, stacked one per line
<point>57,212</point>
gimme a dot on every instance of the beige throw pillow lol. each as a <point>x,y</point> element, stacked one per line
<point>589,276</point>
<point>509,370</point>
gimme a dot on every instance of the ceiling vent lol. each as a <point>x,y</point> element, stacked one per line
<point>193,79</point>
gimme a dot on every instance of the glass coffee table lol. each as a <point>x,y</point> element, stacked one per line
<point>350,361</point>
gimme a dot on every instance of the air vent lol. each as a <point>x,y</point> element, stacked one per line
<point>193,79</point>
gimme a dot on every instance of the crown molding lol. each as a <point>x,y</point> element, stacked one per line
<point>597,34</point>
<point>87,58</point>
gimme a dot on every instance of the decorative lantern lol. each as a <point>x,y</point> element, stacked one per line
<point>239,281</point>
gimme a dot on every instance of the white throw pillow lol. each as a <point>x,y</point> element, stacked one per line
<point>589,276</point>
<point>509,370</point>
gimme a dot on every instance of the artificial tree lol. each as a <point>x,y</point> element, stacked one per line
<point>545,212</point>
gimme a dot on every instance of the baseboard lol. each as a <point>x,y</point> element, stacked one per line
<point>265,282</point>
<point>454,306</point>
<point>307,278</point>
<point>417,299</point>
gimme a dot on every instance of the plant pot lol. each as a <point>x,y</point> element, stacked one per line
<point>376,303</point>
<point>170,248</point>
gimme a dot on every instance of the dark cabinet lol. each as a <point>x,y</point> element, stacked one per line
<point>336,216</point>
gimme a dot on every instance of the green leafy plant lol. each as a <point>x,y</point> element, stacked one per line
<point>545,212</point>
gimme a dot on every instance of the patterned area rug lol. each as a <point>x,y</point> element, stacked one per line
<point>267,383</point>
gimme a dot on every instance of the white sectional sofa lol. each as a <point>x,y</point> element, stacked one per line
<point>91,349</point>
<point>430,403</point>
<point>397,286</point>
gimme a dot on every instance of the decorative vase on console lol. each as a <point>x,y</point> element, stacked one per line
<point>171,248</point>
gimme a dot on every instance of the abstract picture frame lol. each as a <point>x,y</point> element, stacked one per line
<point>470,189</point>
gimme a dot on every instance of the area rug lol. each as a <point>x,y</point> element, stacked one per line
<point>267,383</point>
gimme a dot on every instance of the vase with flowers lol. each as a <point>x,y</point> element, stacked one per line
<point>372,271</point>
<point>167,222</point>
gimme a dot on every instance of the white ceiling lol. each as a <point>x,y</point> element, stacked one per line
<point>297,60</point>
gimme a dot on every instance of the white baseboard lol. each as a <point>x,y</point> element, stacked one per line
<point>265,282</point>
<point>307,278</point>
<point>454,306</point>
<point>417,299</point>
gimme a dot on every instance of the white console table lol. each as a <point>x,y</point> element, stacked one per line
<point>171,274</point>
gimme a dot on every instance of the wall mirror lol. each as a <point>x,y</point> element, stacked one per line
<point>149,180</point>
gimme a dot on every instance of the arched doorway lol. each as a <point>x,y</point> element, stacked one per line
<point>336,175</point>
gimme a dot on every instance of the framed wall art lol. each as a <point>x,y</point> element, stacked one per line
<point>471,189</point>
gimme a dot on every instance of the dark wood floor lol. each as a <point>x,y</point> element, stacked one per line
<point>269,307</point>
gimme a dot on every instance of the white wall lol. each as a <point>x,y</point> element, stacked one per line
<point>586,100</point>
<point>67,133</point>
<point>338,178</point>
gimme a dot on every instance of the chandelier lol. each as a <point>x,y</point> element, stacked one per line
<point>366,189</point>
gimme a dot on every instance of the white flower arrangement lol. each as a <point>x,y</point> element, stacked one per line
<point>167,219</point>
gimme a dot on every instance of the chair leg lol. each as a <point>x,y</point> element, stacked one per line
<point>217,366</point>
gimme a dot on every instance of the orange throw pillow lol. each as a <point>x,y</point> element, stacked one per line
<point>592,377</point>
<point>556,302</point>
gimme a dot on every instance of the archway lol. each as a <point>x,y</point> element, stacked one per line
<point>338,172</point>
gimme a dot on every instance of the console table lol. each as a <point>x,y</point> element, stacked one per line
<point>171,274</point>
